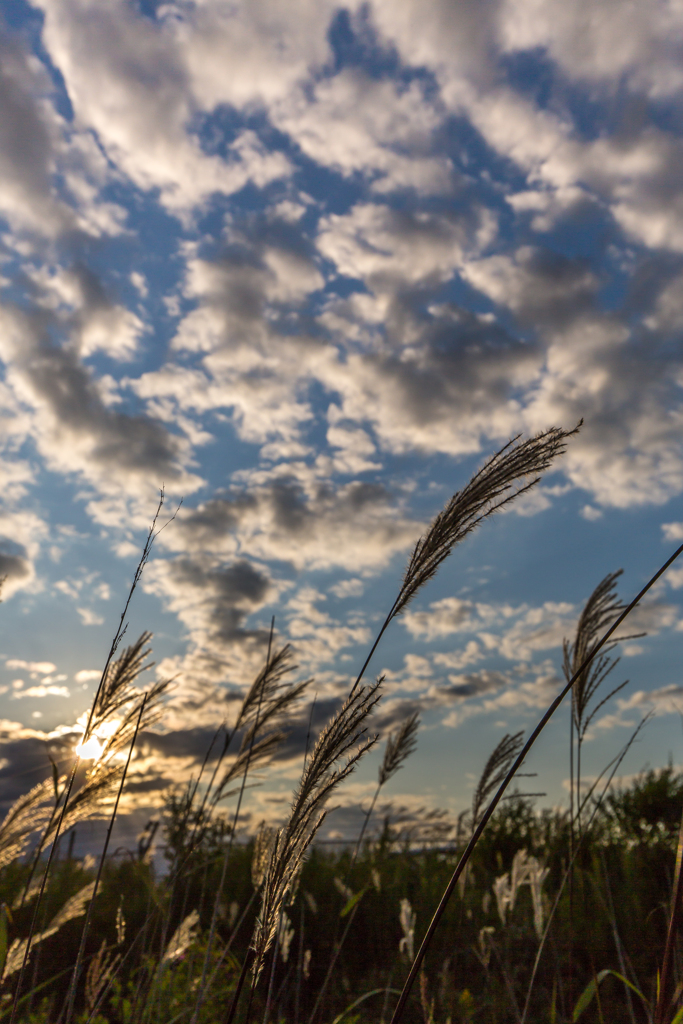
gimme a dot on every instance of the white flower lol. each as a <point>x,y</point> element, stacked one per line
<point>537,876</point>
<point>407,919</point>
<point>526,870</point>
<point>501,890</point>
<point>285,934</point>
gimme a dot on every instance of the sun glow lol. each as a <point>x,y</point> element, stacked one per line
<point>90,750</point>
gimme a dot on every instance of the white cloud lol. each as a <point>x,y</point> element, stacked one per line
<point>348,588</point>
<point>88,675</point>
<point>514,632</point>
<point>663,700</point>
<point>300,519</point>
<point>355,123</point>
<point>44,668</point>
<point>89,617</point>
<point>153,78</point>
<point>384,246</point>
<point>44,691</point>
<point>601,42</point>
<point>672,531</point>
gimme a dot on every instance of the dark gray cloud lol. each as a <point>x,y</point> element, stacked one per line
<point>475,684</point>
<point>28,133</point>
<point>73,426</point>
<point>14,569</point>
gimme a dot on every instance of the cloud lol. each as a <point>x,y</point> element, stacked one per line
<point>387,247</point>
<point>316,635</point>
<point>94,322</point>
<point>89,617</point>
<point>152,85</point>
<point>488,692</point>
<point>358,124</point>
<point>306,522</point>
<point>474,684</point>
<point>72,425</point>
<point>514,632</point>
<point>29,132</point>
<point>212,602</point>
<point>88,675</point>
<point>663,700</point>
<point>22,534</point>
<point>348,588</point>
<point>43,691</point>
<point>640,46</point>
<point>248,363</point>
<point>672,531</point>
<point>36,668</point>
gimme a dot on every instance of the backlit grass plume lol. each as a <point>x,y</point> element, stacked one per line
<point>114,720</point>
<point>74,907</point>
<point>267,703</point>
<point>320,778</point>
<point>117,704</point>
<point>512,471</point>
<point>400,745</point>
<point>26,816</point>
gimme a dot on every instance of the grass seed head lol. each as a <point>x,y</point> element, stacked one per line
<point>400,745</point>
<point>512,471</point>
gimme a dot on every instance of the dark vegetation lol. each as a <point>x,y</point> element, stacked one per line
<point>477,969</point>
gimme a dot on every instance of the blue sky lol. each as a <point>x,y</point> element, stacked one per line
<point>307,266</point>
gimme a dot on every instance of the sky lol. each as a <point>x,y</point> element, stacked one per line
<point>306,266</point>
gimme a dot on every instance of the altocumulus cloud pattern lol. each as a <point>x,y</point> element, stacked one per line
<point>305,265</point>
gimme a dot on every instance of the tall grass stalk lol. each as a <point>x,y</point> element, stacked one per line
<point>567,874</point>
<point>467,853</point>
<point>663,996</point>
<point>214,916</point>
<point>321,776</point>
<point>512,471</point>
<point>152,534</point>
<point>86,926</point>
<point>400,745</point>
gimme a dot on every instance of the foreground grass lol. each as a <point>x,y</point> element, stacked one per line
<point>146,968</point>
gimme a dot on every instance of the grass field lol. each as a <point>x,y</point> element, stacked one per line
<point>520,915</point>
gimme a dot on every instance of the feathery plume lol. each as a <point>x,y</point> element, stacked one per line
<point>407,918</point>
<point>74,907</point>
<point>400,746</point>
<point>182,938</point>
<point>27,815</point>
<point>512,471</point>
<point>249,757</point>
<point>495,770</point>
<point>117,707</point>
<point>263,843</point>
<point>319,780</point>
<point>266,688</point>
<point>101,968</point>
<point>600,611</point>
<point>285,935</point>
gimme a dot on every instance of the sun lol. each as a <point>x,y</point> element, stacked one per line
<point>90,750</point>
